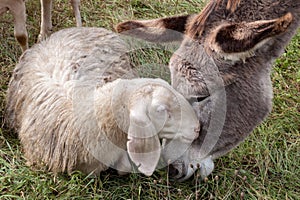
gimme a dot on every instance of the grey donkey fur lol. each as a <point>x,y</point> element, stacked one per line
<point>77,104</point>
<point>225,61</point>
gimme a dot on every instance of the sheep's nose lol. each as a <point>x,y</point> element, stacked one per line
<point>197,129</point>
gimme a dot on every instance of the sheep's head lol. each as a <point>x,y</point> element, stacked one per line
<point>160,119</point>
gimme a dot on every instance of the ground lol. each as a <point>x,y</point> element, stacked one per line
<point>265,166</point>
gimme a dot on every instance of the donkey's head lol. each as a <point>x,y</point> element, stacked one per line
<point>228,46</point>
<point>225,56</point>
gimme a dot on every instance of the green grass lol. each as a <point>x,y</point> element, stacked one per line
<point>265,166</point>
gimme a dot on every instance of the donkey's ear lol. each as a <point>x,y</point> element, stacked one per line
<point>143,144</point>
<point>236,41</point>
<point>156,30</point>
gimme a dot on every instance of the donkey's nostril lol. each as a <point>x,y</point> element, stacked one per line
<point>173,171</point>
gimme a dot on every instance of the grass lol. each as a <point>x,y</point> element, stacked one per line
<point>265,166</point>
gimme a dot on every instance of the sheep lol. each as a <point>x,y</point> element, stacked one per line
<point>18,10</point>
<point>223,67</point>
<point>77,104</point>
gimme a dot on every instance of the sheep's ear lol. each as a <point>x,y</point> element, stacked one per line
<point>156,30</point>
<point>143,144</point>
<point>236,41</point>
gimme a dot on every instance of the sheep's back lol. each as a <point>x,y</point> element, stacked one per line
<point>41,99</point>
<point>69,58</point>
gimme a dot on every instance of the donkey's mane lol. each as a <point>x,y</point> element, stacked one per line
<point>196,26</point>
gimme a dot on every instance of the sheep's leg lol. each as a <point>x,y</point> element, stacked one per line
<point>46,23</point>
<point>75,5</point>
<point>20,32</point>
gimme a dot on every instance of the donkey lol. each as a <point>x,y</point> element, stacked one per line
<point>223,67</point>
